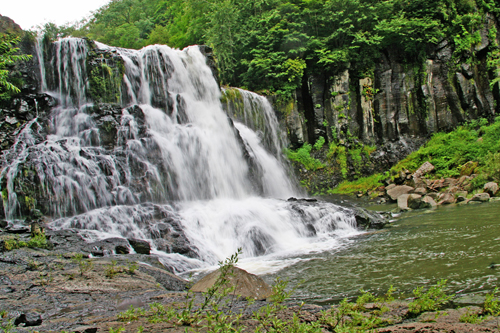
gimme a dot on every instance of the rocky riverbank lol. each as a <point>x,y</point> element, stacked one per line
<point>416,191</point>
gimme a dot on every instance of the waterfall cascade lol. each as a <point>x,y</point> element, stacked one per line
<point>164,162</point>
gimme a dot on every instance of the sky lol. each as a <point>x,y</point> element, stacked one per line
<point>30,13</point>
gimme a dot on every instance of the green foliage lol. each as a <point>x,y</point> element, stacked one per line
<point>470,317</point>
<point>84,266</point>
<point>112,269</point>
<point>132,314</point>
<point>491,304</point>
<point>448,152</point>
<point>432,300</point>
<point>303,156</point>
<point>319,143</point>
<point>349,317</point>
<point>37,241</point>
<point>9,56</point>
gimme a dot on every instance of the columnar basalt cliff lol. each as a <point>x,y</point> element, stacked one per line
<point>399,99</point>
<point>393,111</point>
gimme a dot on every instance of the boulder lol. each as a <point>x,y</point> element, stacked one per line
<point>107,247</point>
<point>491,188</point>
<point>415,201</point>
<point>429,201</point>
<point>481,197</point>
<point>140,246</point>
<point>403,201</point>
<point>168,280</point>
<point>421,190</point>
<point>368,219</point>
<point>446,199</point>
<point>246,284</point>
<point>423,170</point>
<point>396,191</point>
<point>468,168</point>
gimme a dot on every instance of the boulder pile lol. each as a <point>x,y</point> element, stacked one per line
<point>415,191</point>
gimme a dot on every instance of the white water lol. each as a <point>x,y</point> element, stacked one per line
<point>218,184</point>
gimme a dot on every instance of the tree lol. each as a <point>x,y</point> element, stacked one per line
<point>8,57</point>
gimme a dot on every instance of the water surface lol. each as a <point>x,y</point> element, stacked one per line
<point>457,243</point>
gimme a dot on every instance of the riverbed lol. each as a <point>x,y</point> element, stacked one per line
<point>419,248</point>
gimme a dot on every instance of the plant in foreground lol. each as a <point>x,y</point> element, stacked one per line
<point>432,300</point>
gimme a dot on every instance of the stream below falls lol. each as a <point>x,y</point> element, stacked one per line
<point>457,243</point>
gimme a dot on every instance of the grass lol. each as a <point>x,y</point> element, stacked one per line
<point>363,184</point>
<point>476,141</point>
<point>448,152</point>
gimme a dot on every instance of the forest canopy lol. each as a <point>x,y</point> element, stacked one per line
<point>268,45</point>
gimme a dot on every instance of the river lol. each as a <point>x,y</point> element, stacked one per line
<point>419,248</point>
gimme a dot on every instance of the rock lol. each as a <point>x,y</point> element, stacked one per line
<point>140,246</point>
<point>415,201</point>
<point>85,329</point>
<point>468,168</point>
<point>433,195</point>
<point>446,199</point>
<point>423,170</point>
<point>420,190</point>
<point>4,224</point>
<point>461,198</point>
<point>481,197</point>
<point>491,188</point>
<point>429,201</point>
<point>453,189</point>
<point>29,319</point>
<point>396,191</point>
<point>18,229</point>
<point>246,284</point>
<point>368,220</point>
<point>390,187</point>
<point>403,201</point>
<point>107,247</point>
<point>167,280</point>
<point>449,182</point>
<point>120,249</point>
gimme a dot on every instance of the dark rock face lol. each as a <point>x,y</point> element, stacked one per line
<point>140,246</point>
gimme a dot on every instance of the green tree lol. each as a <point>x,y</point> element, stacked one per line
<point>8,57</point>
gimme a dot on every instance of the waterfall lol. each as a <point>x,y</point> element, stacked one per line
<point>164,162</point>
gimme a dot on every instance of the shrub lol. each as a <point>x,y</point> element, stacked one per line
<point>432,300</point>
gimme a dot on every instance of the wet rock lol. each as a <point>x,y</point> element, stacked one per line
<point>18,229</point>
<point>4,224</point>
<point>28,319</point>
<point>491,188</point>
<point>106,247</point>
<point>481,197</point>
<point>246,284</point>
<point>367,220</point>
<point>140,246</point>
<point>397,191</point>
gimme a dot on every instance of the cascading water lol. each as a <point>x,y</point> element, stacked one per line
<point>165,162</point>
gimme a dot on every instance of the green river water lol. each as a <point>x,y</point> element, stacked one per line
<point>457,243</point>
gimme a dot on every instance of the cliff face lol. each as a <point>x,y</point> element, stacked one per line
<point>399,100</point>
